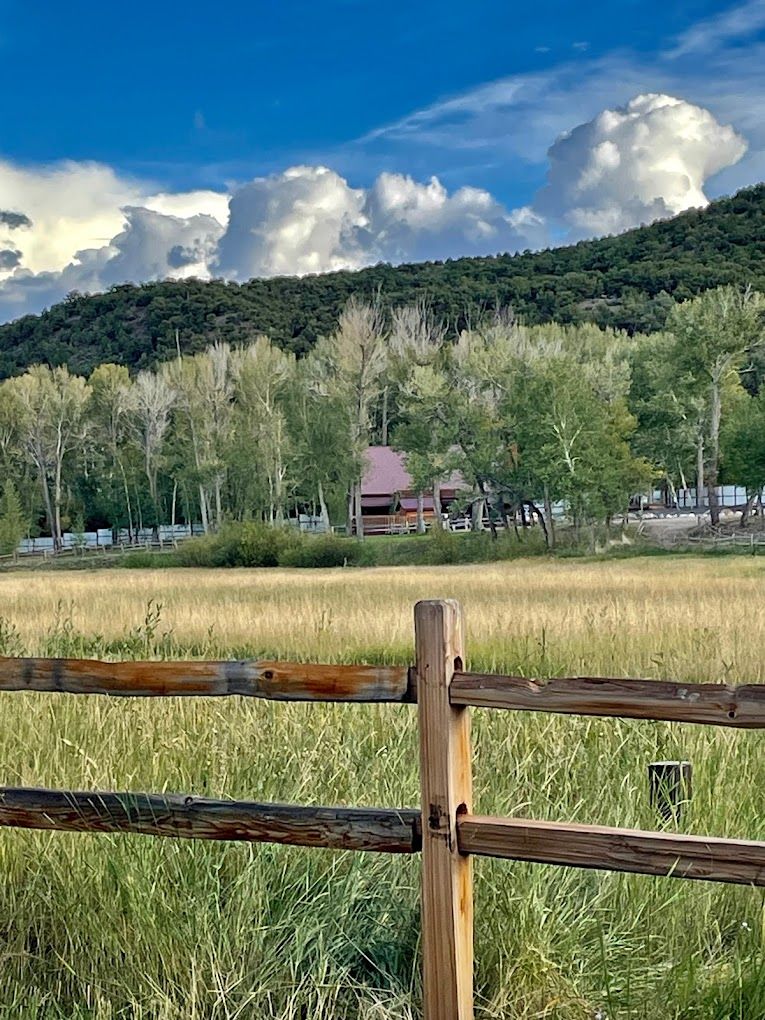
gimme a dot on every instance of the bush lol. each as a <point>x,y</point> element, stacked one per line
<point>444,546</point>
<point>248,544</point>
<point>321,551</point>
<point>255,544</point>
<point>263,545</point>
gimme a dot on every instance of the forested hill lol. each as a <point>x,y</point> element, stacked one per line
<point>628,281</point>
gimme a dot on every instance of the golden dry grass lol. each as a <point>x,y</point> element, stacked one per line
<point>690,618</point>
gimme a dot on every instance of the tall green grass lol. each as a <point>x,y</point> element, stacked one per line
<point>131,927</point>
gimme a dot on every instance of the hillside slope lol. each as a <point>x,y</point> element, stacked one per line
<point>628,281</point>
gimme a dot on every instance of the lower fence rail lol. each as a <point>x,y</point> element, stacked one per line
<point>385,830</point>
<point>736,861</point>
<point>182,816</point>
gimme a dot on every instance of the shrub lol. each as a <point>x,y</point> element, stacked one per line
<point>248,544</point>
<point>321,551</point>
<point>262,545</point>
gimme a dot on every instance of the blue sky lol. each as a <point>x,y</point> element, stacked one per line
<point>170,98</point>
<point>195,94</point>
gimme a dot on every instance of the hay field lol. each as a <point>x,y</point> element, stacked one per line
<point>113,927</point>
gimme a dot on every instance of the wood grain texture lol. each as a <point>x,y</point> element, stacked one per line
<point>737,861</point>
<point>446,784</point>
<point>274,681</point>
<point>179,815</point>
<point>714,704</point>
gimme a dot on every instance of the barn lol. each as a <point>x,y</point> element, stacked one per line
<point>389,499</point>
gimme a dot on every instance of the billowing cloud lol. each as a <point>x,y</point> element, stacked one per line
<point>300,221</point>
<point>70,207</point>
<point>310,220</point>
<point>154,246</point>
<point>406,220</point>
<point>151,246</point>
<point>9,258</point>
<point>647,160</point>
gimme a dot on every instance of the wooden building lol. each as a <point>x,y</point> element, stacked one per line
<point>389,499</point>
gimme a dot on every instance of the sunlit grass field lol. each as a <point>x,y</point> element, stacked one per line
<point>129,927</point>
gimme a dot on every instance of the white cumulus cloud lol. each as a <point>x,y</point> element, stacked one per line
<point>300,221</point>
<point>310,220</point>
<point>407,220</point>
<point>646,160</point>
<point>70,207</point>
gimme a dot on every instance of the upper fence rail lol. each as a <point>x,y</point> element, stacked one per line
<point>739,707</point>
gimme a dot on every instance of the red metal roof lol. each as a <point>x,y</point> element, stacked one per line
<point>386,474</point>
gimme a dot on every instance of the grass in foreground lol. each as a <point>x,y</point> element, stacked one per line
<point>129,927</point>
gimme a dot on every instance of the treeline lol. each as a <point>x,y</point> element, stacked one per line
<point>629,283</point>
<point>529,415</point>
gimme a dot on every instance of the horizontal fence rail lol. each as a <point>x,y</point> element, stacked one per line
<point>737,861</point>
<point>272,681</point>
<point>183,816</point>
<point>444,828</point>
<point>741,707</point>
<point>659,700</point>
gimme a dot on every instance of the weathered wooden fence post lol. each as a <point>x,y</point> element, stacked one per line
<point>446,790</point>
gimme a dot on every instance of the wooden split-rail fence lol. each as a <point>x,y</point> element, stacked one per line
<point>444,829</point>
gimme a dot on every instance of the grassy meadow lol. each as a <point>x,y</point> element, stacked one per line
<point>109,927</point>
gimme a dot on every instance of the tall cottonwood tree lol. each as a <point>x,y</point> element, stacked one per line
<point>324,461</point>
<point>263,375</point>
<point>713,333</point>
<point>355,358</point>
<point>109,413</point>
<point>52,426</point>
<point>204,387</point>
<point>149,402</point>
<point>416,364</point>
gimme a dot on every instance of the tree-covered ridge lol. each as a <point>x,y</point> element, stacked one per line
<point>629,282</point>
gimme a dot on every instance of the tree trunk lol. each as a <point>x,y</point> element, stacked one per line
<point>218,506</point>
<point>323,508</point>
<point>476,514</point>
<point>349,520</point>
<point>714,453</point>
<point>550,529</point>
<point>57,536</point>
<point>48,504</point>
<point>128,506</point>
<point>437,521</point>
<point>535,510</point>
<point>203,508</point>
<point>384,429</point>
<point>672,492</point>
<point>750,501</point>
<point>358,513</point>
<point>420,513</point>
<point>700,473</point>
